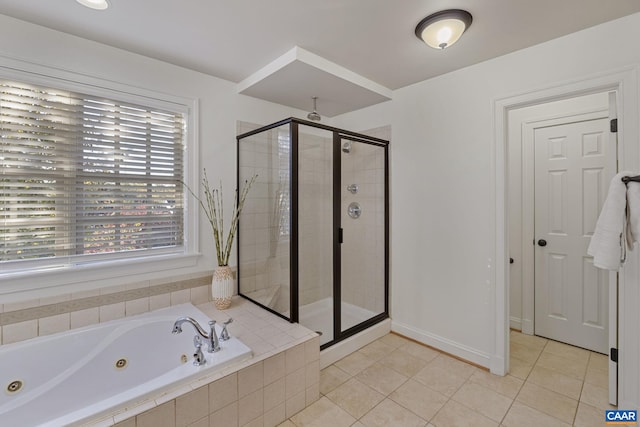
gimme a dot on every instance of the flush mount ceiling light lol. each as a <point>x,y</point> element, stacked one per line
<point>444,28</point>
<point>94,4</point>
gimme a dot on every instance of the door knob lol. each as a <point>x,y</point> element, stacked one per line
<point>542,242</point>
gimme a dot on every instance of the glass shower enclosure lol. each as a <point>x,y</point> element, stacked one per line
<point>313,240</point>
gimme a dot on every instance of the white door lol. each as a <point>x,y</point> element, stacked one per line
<point>574,163</point>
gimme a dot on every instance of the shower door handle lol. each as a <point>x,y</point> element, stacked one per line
<point>340,235</point>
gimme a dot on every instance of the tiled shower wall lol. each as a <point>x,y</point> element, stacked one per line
<point>363,262</point>
<point>45,316</point>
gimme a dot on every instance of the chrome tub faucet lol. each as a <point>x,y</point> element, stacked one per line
<point>211,338</point>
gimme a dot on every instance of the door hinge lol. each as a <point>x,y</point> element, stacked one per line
<point>613,125</point>
<point>614,354</point>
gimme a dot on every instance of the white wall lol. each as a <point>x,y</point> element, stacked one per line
<point>443,187</point>
<point>219,109</point>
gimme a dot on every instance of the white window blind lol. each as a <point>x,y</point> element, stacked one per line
<point>87,177</point>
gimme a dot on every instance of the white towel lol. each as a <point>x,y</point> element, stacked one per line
<point>608,243</point>
<point>633,213</point>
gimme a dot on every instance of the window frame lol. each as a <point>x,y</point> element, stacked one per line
<point>37,274</point>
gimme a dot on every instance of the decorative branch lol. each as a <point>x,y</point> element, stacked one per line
<point>213,209</point>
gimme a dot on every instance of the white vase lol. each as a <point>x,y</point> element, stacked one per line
<point>222,287</point>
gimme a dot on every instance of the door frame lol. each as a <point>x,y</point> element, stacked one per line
<point>624,82</point>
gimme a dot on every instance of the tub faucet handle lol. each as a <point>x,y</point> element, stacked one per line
<point>224,335</point>
<point>214,343</point>
<point>198,357</point>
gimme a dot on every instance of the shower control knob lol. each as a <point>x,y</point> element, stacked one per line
<point>542,242</point>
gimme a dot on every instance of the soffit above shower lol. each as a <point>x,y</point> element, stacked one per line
<point>298,75</point>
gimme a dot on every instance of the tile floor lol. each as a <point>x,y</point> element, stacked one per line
<point>397,382</point>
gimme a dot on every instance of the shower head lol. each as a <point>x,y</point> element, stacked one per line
<point>314,114</point>
<point>346,147</point>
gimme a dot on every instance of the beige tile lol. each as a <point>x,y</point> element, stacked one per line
<point>127,423</point>
<point>389,413</point>
<point>274,368</point>
<point>441,380</point>
<point>598,362</point>
<point>523,416</point>
<point>203,422</point>
<point>295,404</point>
<point>294,358</point>
<point>394,340</point>
<point>287,423</point>
<point>159,301</point>
<point>111,312</point>
<point>381,379</point>
<point>54,324</point>
<point>274,394</point>
<point>487,402</point>
<point>312,393</point>
<point>312,372</point>
<point>19,331</point>
<point>403,363</point>
<point>556,381</point>
<point>597,377</point>
<point>570,367</point>
<point>533,342</point>
<point>549,402</point>
<point>331,377</point>
<point>354,363</point>
<point>454,414</point>
<point>419,399</point>
<point>588,416</point>
<point>323,413</point>
<point>250,407</point>
<point>200,295</point>
<point>420,351</point>
<point>160,416</point>
<point>295,382</point>
<point>258,422</point>
<point>225,417</point>
<point>312,350</point>
<point>595,396</point>
<point>355,397</point>
<point>507,385</point>
<point>223,392</point>
<point>136,306</point>
<point>454,365</point>
<point>181,297</point>
<point>192,406</point>
<point>519,368</point>
<point>376,350</point>
<point>86,317</point>
<point>523,353</point>
<point>275,416</point>
<point>250,379</point>
<point>567,351</point>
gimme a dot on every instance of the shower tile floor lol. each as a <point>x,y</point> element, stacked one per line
<point>397,382</point>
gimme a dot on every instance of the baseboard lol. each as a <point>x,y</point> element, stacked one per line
<point>451,347</point>
<point>515,323</point>
<point>344,348</point>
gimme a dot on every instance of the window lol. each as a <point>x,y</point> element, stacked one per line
<point>84,178</point>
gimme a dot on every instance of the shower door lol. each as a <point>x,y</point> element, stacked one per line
<point>363,224</point>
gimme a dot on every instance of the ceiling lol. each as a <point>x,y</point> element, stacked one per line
<point>372,39</point>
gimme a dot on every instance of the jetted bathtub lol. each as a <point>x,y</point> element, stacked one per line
<point>66,378</point>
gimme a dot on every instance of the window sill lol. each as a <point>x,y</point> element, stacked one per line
<point>92,275</point>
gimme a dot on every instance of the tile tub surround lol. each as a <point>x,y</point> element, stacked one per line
<point>281,379</point>
<point>38,317</point>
